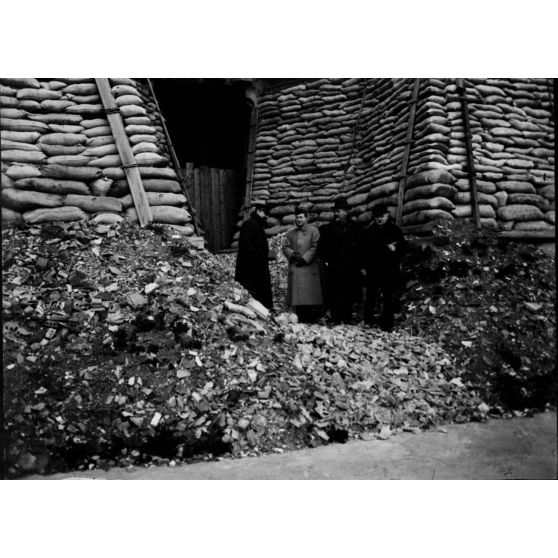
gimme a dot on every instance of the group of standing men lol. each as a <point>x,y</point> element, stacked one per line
<point>327,266</point>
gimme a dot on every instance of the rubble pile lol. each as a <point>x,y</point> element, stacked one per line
<point>491,304</point>
<point>125,346</point>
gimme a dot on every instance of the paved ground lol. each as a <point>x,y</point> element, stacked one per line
<point>521,448</point>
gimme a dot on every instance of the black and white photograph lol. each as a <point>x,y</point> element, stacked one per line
<point>208,276</point>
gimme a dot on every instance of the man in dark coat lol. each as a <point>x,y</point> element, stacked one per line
<point>252,266</point>
<point>382,247</point>
<point>338,249</point>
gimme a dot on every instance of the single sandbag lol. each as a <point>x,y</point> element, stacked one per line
<point>22,156</point>
<point>529,199</point>
<point>157,173</point>
<point>161,185</point>
<point>56,118</point>
<point>52,215</point>
<point>437,202</point>
<point>156,198</point>
<point>85,99</point>
<point>23,125</point>
<point>53,186</point>
<point>431,190</point>
<point>56,85</point>
<point>144,147</point>
<point>101,186</point>
<point>516,187</point>
<point>12,113</point>
<point>53,150</point>
<point>140,138</point>
<point>122,81</point>
<point>106,161</point>
<point>120,90</point>
<point>23,137</point>
<point>17,171</point>
<point>184,230</point>
<point>132,110</point>
<point>124,100</point>
<point>56,106</point>
<point>11,217</point>
<point>532,226</point>
<point>72,173</point>
<point>99,140</point>
<point>62,139</point>
<point>133,129</point>
<point>81,89</point>
<point>7,90</point>
<point>94,122</point>
<point>138,121</point>
<point>150,159</point>
<point>101,150</point>
<point>38,94</point>
<point>21,200</point>
<point>20,82</point>
<point>114,173</point>
<point>520,212</point>
<point>486,211</point>
<point>19,146</point>
<point>94,204</point>
<point>69,160</point>
<point>85,109</point>
<point>8,102</point>
<point>170,214</point>
<point>6,181</point>
<point>107,218</point>
<point>98,131</point>
<point>65,128</point>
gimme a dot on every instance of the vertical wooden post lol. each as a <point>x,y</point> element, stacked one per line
<point>407,151</point>
<point>469,149</point>
<point>129,163</point>
<point>250,158</point>
<point>215,208</point>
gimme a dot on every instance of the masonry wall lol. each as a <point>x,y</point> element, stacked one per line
<point>330,137</point>
<point>60,162</point>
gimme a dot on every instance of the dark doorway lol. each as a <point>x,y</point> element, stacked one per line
<point>208,122</point>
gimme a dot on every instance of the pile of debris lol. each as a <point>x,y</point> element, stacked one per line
<point>491,304</point>
<point>125,346</point>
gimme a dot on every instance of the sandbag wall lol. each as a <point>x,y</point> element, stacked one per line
<point>60,161</point>
<point>303,145</point>
<point>513,150</point>
<point>323,138</point>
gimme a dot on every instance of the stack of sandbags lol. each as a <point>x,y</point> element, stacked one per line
<point>303,144</point>
<point>144,93</point>
<point>59,158</point>
<point>513,146</point>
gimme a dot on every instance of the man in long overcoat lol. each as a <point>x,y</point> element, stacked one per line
<point>382,249</point>
<point>304,291</point>
<point>252,262</point>
<point>338,249</point>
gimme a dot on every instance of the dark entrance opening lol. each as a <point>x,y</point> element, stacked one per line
<point>208,122</point>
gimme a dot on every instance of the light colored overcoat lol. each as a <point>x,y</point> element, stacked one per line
<point>304,286</point>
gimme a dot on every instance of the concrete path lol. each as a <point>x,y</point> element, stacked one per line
<point>520,448</point>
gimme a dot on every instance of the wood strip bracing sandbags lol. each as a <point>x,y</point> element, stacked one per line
<point>58,149</point>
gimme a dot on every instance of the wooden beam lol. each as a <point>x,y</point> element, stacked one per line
<point>548,234</point>
<point>469,149</point>
<point>125,151</point>
<point>216,208</point>
<point>250,158</point>
<point>407,151</point>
